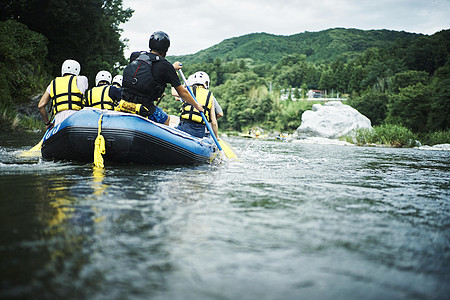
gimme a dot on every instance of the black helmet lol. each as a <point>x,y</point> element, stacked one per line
<point>159,41</point>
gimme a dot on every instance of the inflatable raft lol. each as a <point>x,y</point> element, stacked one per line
<point>129,138</point>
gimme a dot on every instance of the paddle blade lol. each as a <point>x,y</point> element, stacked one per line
<point>227,149</point>
<point>35,151</point>
<point>37,147</point>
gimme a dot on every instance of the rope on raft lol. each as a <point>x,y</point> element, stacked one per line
<point>99,148</point>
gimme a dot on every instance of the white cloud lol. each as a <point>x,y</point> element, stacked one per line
<point>196,25</point>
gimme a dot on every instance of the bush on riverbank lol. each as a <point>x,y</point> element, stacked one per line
<point>23,65</point>
<point>388,134</point>
<point>436,138</point>
<point>11,121</point>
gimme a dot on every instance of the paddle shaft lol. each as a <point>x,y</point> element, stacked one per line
<point>202,114</point>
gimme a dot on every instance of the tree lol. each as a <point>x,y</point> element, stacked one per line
<point>373,105</point>
<point>326,80</point>
<point>244,98</point>
<point>439,116</point>
<point>218,71</point>
<point>408,78</point>
<point>22,64</point>
<point>357,75</point>
<point>85,30</point>
<point>428,53</point>
<point>297,94</point>
<point>291,59</point>
<point>304,89</point>
<point>410,107</point>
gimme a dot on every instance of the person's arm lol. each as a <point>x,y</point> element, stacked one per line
<point>218,110</point>
<point>82,83</point>
<point>186,96</point>
<point>214,125</point>
<point>42,109</point>
<point>115,93</point>
<point>177,65</point>
<point>175,94</point>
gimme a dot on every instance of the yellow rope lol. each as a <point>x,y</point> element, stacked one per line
<point>99,148</point>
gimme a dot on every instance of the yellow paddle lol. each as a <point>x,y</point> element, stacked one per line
<point>227,149</point>
<point>36,150</point>
<point>37,147</point>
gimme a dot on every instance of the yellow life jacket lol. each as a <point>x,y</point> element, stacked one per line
<point>65,94</point>
<point>99,97</point>
<point>204,98</point>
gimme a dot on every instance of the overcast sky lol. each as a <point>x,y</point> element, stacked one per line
<point>199,24</point>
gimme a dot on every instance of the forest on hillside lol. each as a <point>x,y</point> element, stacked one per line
<point>402,81</point>
<point>391,77</point>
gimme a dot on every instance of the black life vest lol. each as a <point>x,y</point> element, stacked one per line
<point>139,85</point>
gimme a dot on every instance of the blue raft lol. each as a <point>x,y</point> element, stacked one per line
<point>129,138</point>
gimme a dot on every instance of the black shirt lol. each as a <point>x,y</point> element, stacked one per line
<point>164,72</point>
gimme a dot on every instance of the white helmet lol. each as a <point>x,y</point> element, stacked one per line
<point>70,66</point>
<point>103,76</point>
<point>200,77</point>
<point>190,80</point>
<point>118,79</point>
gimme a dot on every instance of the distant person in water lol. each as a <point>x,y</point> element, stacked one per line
<point>65,92</point>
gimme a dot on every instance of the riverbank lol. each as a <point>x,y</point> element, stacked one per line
<point>325,141</point>
<point>22,118</point>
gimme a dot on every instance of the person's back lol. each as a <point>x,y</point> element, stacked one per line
<point>147,75</point>
<point>143,79</point>
<point>65,92</point>
<point>207,82</point>
<point>191,120</point>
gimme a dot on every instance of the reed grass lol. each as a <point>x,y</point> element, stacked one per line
<point>387,134</point>
<point>435,138</point>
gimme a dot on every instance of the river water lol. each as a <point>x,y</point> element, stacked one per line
<point>285,221</point>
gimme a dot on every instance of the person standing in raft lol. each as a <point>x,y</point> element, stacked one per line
<point>66,93</point>
<point>145,79</point>
<point>191,120</point>
<point>103,95</point>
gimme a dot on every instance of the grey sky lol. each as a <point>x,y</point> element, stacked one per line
<point>196,25</point>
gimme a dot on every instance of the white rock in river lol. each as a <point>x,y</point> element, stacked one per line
<point>331,120</point>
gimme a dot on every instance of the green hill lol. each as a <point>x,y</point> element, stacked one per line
<point>319,47</point>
